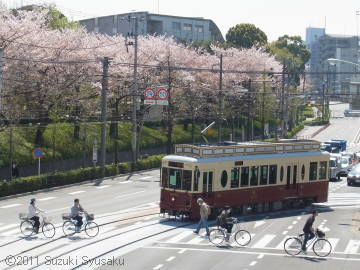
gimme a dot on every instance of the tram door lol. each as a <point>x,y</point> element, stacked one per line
<point>292,177</point>
<point>207,182</point>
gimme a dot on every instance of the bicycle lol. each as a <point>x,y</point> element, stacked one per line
<point>242,237</point>
<point>89,226</point>
<point>27,226</point>
<point>320,246</point>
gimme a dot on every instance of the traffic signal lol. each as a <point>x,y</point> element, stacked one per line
<point>309,105</point>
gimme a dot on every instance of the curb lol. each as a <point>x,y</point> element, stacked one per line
<point>71,185</point>
<point>320,130</point>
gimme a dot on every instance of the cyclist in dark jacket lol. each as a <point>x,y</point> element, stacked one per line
<point>308,229</point>
<point>226,221</point>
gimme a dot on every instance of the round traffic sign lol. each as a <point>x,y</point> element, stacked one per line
<point>38,153</point>
<point>162,94</point>
<point>149,93</point>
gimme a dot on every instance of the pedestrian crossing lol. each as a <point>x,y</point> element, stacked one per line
<point>264,241</point>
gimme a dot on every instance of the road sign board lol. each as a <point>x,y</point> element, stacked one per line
<point>38,153</point>
<point>162,94</point>
<point>162,102</point>
<point>149,102</point>
<point>149,93</point>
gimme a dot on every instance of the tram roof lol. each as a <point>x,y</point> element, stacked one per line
<point>246,148</point>
<point>177,158</point>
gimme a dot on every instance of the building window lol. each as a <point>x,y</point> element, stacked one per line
<point>245,176</point>
<point>224,178</point>
<point>235,178</point>
<point>322,170</point>
<point>313,171</point>
<point>176,26</point>
<point>199,28</point>
<point>187,27</point>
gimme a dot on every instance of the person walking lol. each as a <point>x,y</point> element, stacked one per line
<point>204,214</point>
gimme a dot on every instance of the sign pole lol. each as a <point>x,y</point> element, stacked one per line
<point>39,167</point>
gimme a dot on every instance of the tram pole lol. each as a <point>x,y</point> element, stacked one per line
<point>221,99</point>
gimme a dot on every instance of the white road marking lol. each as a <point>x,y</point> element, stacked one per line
<point>295,222</point>
<point>281,244</point>
<point>198,239</point>
<point>145,177</point>
<point>129,194</point>
<point>264,241</point>
<point>9,227</point>
<point>333,242</point>
<point>10,205</point>
<point>253,263</point>
<point>125,182</point>
<point>260,256</point>
<point>298,218</point>
<point>182,251</point>
<point>158,267</point>
<point>46,199</point>
<point>76,192</point>
<point>11,232</point>
<point>352,246</point>
<point>179,237</point>
<point>170,258</point>
<point>259,223</point>
<point>101,187</point>
<point>284,232</point>
<point>290,227</point>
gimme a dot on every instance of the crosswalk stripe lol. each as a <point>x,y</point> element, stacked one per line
<point>11,232</point>
<point>46,199</point>
<point>76,192</point>
<point>101,187</point>
<point>8,227</point>
<point>179,237</point>
<point>198,239</point>
<point>333,242</point>
<point>264,241</point>
<point>281,244</point>
<point>352,246</point>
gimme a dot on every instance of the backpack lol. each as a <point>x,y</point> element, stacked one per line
<point>208,210</point>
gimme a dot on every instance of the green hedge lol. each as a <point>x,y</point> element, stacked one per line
<point>294,130</point>
<point>33,183</point>
<point>317,122</point>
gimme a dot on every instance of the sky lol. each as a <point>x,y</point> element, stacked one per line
<point>275,17</point>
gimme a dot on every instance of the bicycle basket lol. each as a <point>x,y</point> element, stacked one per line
<point>46,219</point>
<point>66,216</point>
<point>23,216</point>
<point>90,217</point>
<point>321,234</point>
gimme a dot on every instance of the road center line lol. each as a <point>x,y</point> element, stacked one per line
<point>129,194</point>
<point>10,205</point>
<point>76,192</point>
<point>170,258</point>
<point>46,199</point>
<point>158,267</point>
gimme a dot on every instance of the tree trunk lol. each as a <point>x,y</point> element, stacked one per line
<point>39,139</point>
<point>193,129</point>
<point>76,134</point>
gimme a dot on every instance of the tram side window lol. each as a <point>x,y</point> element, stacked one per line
<point>165,177</point>
<point>272,174</point>
<point>245,176</point>
<point>263,175</point>
<point>196,180</point>
<point>254,176</point>
<point>175,178</point>
<point>186,185</point>
<point>322,170</point>
<point>235,178</point>
<point>313,171</point>
<point>288,175</point>
<point>207,181</point>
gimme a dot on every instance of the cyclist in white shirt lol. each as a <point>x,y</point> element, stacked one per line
<point>33,214</point>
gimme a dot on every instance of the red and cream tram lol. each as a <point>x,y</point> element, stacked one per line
<point>260,176</point>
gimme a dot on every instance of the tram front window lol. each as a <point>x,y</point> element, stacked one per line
<point>176,178</point>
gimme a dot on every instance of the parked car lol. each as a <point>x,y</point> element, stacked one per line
<point>353,177</point>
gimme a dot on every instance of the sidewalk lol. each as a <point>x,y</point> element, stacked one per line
<point>308,132</point>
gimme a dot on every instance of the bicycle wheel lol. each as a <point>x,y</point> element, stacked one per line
<point>68,228</point>
<point>216,236</point>
<point>292,246</point>
<point>242,237</point>
<point>322,247</point>
<point>92,229</point>
<point>26,228</point>
<point>48,230</point>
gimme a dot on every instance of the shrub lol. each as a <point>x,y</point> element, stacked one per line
<point>32,183</point>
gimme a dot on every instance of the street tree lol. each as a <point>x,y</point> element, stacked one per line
<point>246,35</point>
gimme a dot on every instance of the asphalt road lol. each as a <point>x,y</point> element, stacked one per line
<point>133,236</point>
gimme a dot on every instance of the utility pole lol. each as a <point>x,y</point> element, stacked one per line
<point>283,101</point>
<point>104,89</point>
<point>134,94</point>
<point>263,110</point>
<point>249,119</point>
<point>221,99</point>
<point>170,120</point>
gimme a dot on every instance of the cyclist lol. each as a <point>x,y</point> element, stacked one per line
<point>76,213</point>
<point>225,221</point>
<point>308,229</point>
<point>33,214</point>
